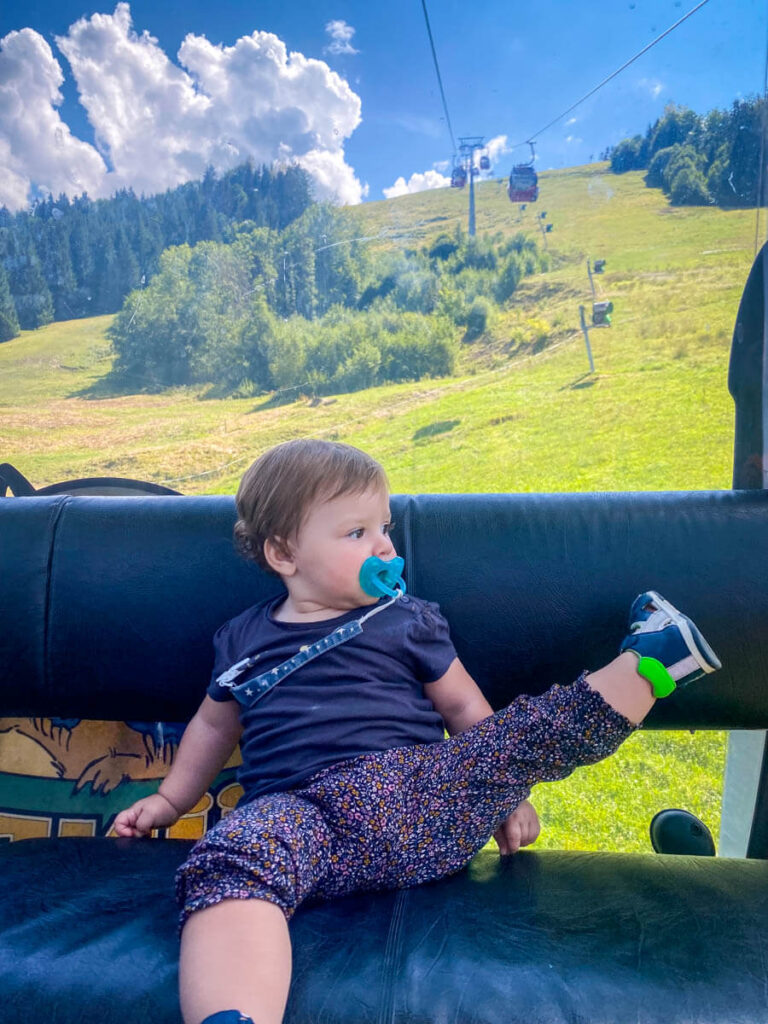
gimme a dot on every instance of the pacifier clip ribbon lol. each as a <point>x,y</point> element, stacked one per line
<point>385,576</point>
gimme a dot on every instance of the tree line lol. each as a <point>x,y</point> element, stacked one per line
<point>714,159</point>
<point>65,259</point>
<point>313,308</point>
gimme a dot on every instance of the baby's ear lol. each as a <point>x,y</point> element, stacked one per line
<point>278,556</point>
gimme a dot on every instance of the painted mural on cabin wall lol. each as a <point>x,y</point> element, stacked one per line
<point>71,777</point>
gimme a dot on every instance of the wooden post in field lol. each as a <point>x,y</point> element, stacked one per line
<point>586,338</point>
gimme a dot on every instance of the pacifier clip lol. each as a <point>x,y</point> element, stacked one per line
<point>377,578</point>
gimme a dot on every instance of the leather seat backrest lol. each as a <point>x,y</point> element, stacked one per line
<point>108,605</point>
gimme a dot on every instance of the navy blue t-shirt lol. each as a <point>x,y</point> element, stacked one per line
<point>363,696</point>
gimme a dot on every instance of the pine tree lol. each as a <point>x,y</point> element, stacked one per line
<point>127,268</point>
<point>56,265</point>
<point>9,322</point>
<point>92,253</point>
<point>81,245</point>
<point>107,291</point>
<point>31,296</point>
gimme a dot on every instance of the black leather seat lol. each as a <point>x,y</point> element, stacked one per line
<point>556,937</point>
<point>113,602</point>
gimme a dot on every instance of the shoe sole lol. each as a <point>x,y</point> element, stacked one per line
<point>702,653</point>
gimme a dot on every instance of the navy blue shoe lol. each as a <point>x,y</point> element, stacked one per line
<point>228,1017</point>
<point>660,632</point>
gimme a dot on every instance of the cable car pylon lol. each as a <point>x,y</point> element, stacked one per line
<point>464,168</point>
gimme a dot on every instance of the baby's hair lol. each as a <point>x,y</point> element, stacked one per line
<point>277,491</point>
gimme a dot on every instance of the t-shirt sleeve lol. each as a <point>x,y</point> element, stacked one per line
<point>223,658</point>
<point>429,643</point>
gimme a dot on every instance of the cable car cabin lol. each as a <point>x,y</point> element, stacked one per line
<point>523,184</point>
<point>485,163</point>
<point>458,177</point>
<point>601,314</point>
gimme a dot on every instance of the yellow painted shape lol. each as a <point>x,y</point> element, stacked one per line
<point>24,826</point>
<point>195,822</point>
<point>228,797</point>
<point>76,827</point>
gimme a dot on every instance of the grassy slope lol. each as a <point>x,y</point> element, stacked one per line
<point>656,415</point>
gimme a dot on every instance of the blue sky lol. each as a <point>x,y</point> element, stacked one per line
<point>508,68</point>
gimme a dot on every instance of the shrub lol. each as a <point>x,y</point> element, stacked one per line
<point>443,247</point>
<point>656,176</point>
<point>477,319</point>
<point>416,290</point>
<point>511,274</point>
<point>291,309</point>
<point>359,371</point>
<point>413,347</point>
<point>689,188</point>
<point>349,351</point>
<point>629,155</point>
<point>287,357</point>
<point>450,302</point>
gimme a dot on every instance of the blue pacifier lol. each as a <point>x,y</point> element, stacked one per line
<point>379,578</point>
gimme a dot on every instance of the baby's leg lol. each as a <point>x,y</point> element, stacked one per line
<point>453,795</point>
<point>414,814</point>
<point>235,955</point>
<point>462,789</point>
<point>620,685</point>
<point>237,890</point>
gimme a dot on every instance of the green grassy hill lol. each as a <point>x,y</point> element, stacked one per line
<point>522,413</point>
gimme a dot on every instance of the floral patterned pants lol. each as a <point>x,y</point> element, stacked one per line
<point>401,817</point>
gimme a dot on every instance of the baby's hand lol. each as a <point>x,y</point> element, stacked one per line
<point>521,828</point>
<point>140,818</point>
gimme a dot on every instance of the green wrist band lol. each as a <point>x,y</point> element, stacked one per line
<point>661,681</point>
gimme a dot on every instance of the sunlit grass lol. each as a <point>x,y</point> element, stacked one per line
<point>655,415</point>
<point>610,805</point>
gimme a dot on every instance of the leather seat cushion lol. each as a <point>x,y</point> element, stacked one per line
<point>88,933</point>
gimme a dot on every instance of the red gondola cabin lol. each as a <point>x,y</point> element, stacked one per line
<point>523,184</point>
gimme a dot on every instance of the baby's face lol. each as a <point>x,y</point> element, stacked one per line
<point>334,540</point>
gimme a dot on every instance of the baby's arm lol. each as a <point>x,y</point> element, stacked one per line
<point>458,699</point>
<point>460,703</point>
<point>207,743</point>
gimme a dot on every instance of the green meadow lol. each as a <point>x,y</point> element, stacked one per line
<point>522,412</point>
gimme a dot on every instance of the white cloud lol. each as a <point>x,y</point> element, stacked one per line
<point>334,180</point>
<point>497,147</point>
<point>416,183</point>
<point>573,140</point>
<point>157,123</point>
<point>341,38</point>
<point>571,120</point>
<point>652,86</point>
<point>36,146</point>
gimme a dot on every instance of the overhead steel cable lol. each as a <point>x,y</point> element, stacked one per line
<point>618,71</point>
<point>439,77</point>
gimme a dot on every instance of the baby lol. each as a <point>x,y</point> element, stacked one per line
<point>339,691</point>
